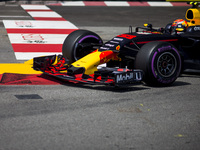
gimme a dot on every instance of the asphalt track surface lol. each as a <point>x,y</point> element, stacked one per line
<point>77,116</point>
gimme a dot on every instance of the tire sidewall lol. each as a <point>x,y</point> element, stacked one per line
<point>150,54</point>
<point>72,40</point>
<point>159,51</point>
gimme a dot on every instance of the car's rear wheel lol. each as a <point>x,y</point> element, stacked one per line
<point>161,63</point>
<point>79,43</point>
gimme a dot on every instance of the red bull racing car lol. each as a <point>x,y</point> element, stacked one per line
<point>154,56</point>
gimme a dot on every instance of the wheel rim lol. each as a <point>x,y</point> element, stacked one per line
<point>79,51</point>
<point>166,64</point>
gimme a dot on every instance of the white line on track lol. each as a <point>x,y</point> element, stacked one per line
<point>35,7</point>
<point>29,55</point>
<point>33,38</point>
<point>111,3</point>
<point>78,3</point>
<point>32,24</point>
<point>159,4</point>
<point>44,14</point>
<point>15,17</point>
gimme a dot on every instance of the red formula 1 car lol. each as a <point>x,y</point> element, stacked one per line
<point>155,56</point>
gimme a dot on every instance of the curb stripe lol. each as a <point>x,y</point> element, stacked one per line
<point>118,3</point>
<point>37,47</point>
<point>49,18</point>
<point>46,14</point>
<point>42,12</point>
<point>32,24</point>
<point>29,55</point>
<point>41,31</point>
<point>28,10</point>
<point>121,3</point>
<point>28,79</point>
<point>70,3</point>
<point>35,7</point>
<point>91,3</point>
<point>179,4</point>
<point>138,4</point>
<point>158,4</point>
<point>43,36</point>
<point>37,38</point>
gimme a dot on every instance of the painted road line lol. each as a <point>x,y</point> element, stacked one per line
<point>50,18</point>
<point>37,38</point>
<point>17,68</point>
<point>71,3</point>
<point>21,68</point>
<point>119,3</point>
<point>27,79</point>
<point>160,4</point>
<point>14,16</point>
<point>32,24</point>
<point>94,3</point>
<point>179,4</point>
<point>30,55</point>
<point>35,7</point>
<point>37,48</point>
<point>42,12</point>
<point>138,4</point>
<point>24,74</point>
<point>41,31</point>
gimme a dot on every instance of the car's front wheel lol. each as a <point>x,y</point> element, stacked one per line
<point>161,63</point>
<point>79,43</point>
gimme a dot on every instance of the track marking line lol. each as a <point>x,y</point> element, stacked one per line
<point>119,3</point>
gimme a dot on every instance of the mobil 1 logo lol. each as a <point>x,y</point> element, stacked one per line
<point>128,77</point>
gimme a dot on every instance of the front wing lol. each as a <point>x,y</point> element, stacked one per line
<point>57,66</point>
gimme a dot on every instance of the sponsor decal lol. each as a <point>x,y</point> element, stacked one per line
<point>106,56</point>
<point>124,77</point>
<point>33,38</point>
<point>138,76</point>
<point>143,33</point>
<point>164,48</point>
<point>128,77</point>
<point>127,36</point>
<point>118,47</point>
<point>104,48</point>
<point>118,39</point>
<point>114,42</point>
<point>24,24</point>
<point>196,28</point>
<point>110,45</point>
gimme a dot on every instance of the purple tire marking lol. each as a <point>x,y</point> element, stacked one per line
<point>179,58</point>
<point>88,36</point>
<point>164,48</point>
<point>152,62</point>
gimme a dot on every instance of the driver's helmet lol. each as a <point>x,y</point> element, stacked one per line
<point>179,26</point>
